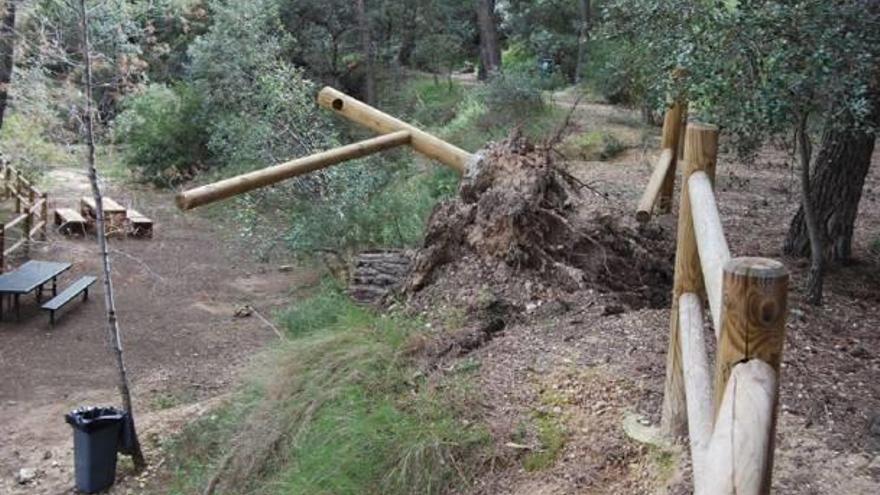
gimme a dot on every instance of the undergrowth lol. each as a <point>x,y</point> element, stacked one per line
<point>341,410</point>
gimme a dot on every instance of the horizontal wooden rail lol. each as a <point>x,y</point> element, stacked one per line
<point>260,178</point>
<point>697,384</point>
<point>652,191</point>
<point>37,228</point>
<point>15,221</point>
<point>381,122</point>
<point>14,247</point>
<point>711,244</point>
<point>740,448</point>
<point>38,206</point>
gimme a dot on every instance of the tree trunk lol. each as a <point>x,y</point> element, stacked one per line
<point>408,38</point>
<point>109,300</point>
<point>583,38</point>
<point>836,189</point>
<point>367,51</point>
<point>817,250</point>
<point>7,48</point>
<point>490,48</point>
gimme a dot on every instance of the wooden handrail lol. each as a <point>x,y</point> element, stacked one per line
<point>652,191</point>
<point>742,442</point>
<point>14,247</point>
<point>698,385</point>
<point>379,121</point>
<point>15,221</point>
<point>236,185</point>
<point>711,244</point>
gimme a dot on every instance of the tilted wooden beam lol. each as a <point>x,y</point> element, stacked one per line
<point>381,122</point>
<point>652,191</point>
<point>243,183</point>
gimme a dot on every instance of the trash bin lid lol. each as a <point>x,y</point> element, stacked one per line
<point>90,419</point>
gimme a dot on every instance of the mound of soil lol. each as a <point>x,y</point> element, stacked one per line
<point>519,221</point>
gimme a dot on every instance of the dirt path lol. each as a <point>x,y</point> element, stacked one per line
<point>176,296</point>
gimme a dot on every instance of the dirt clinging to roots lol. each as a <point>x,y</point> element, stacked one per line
<point>519,212</point>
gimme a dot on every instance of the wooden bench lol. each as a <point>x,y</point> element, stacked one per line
<point>139,225</point>
<point>69,221</point>
<point>81,286</point>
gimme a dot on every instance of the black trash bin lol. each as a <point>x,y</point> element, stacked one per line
<point>96,436</point>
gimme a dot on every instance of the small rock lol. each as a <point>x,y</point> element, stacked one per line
<point>47,455</point>
<point>25,476</point>
<point>285,268</point>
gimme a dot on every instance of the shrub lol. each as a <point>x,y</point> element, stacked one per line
<point>596,145</point>
<point>358,215</point>
<point>163,133</point>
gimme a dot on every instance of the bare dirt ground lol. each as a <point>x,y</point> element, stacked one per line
<point>176,296</point>
<point>594,371</point>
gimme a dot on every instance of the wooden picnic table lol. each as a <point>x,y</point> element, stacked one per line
<point>114,213</point>
<point>29,277</point>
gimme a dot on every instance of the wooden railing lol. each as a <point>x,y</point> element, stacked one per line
<point>30,219</point>
<point>730,418</point>
<point>660,187</point>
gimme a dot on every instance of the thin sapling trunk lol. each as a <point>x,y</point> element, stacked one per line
<point>109,301</point>
<point>817,249</point>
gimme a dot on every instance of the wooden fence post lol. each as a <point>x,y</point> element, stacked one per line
<point>673,130</point>
<point>753,327</point>
<point>17,192</point>
<point>45,214</point>
<point>700,153</point>
<point>28,222</point>
<point>2,249</point>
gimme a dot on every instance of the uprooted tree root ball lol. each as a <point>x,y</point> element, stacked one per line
<point>520,219</point>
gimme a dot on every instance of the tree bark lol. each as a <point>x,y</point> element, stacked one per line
<point>109,300</point>
<point>817,246</point>
<point>583,38</point>
<point>367,51</point>
<point>836,188</point>
<point>490,48</point>
<point>408,38</point>
<point>7,49</point>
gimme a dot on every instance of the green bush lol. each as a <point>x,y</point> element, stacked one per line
<point>163,133</point>
<point>23,142</point>
<point>357,215</point>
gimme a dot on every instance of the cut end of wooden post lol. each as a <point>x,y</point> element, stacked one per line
<point>764,268</point>
<point>702,126</point>
<point>182,201</point>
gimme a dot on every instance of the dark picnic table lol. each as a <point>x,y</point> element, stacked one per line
<point>30,277</point>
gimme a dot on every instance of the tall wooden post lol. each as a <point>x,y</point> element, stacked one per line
<point>45,214</point>
<point>700,153</point>
<point>755,310</point>
<point>2,249</point>
<point>17,191</point>
<point>673,130</point>
<point>28,222</point>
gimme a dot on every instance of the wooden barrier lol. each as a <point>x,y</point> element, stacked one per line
<point>383,123</point>
<point>662,183</point>
<point>700,151</point>
<point>731,419</point>
<point>394,132</point>
<point>711,244</point>
<point>260,178</point>
<point>31,213</point>
<point>741,446</point>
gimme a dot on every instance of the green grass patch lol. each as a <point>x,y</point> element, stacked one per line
<point>595,145</point>
<point>552,437</point>
<point>343,411</point>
